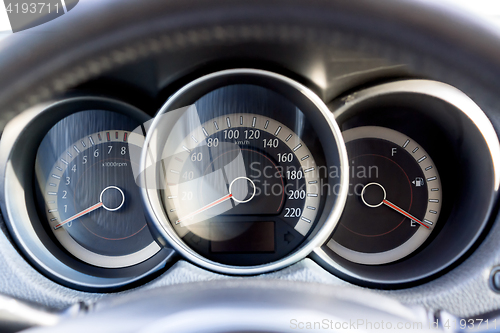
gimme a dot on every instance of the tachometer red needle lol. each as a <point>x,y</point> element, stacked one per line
<point>399,210</point>
<point>201,210</point>
<point>83,212</point>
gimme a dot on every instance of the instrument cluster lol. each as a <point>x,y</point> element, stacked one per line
<point>246,171</point>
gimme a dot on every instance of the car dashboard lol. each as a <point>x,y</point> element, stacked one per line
<point>261,154</point>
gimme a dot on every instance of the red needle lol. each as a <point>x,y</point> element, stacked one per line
<point>399,210</point>
<point>74,217</point>
<point>201,210</point>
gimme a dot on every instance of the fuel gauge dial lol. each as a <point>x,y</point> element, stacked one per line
<point>394,198</point>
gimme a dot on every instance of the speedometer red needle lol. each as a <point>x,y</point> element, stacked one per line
<point>399,210</point>
<point>83,212</point>
<point>202,209</point>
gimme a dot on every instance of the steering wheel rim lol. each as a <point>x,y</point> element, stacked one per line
<point>77,51</point>
<point>247,306</point>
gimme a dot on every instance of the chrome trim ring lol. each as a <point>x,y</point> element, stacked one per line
<point>343,108</point>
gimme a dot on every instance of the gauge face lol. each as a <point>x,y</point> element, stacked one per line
<point>92,204</point>
<point>242,183</point>
<point>394,199</point>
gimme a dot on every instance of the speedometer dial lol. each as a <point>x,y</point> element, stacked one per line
<point>236,174</point>
<point>242,183</point>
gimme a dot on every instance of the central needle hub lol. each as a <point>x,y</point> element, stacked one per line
<point>239,188</point>
<point>373,195</point>
<point>113,197</point>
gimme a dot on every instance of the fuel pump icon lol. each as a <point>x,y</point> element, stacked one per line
<point>419,181</point>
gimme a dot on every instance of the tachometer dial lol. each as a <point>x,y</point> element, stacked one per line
<point>80,219</point>
<point>93,204</point>
<point>394,200</point>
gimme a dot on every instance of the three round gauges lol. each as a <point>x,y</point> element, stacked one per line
<point>246,171</point>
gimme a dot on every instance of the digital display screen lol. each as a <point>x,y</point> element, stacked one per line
<point>242,237</point>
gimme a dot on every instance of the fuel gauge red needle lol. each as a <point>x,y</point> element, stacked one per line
<point>399,210</point>
<point>386,202</point>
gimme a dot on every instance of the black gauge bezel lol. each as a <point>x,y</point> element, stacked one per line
<point>23,217</point>
<point>465,149</point>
